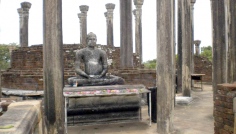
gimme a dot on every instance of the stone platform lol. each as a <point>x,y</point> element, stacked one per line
<point>102,104</point>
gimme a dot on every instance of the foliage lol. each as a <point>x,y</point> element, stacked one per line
<point>151,64</point>
<point>207,52</point>
<point>5,55</point>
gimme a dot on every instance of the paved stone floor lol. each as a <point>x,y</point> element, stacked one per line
<point>195,118</point>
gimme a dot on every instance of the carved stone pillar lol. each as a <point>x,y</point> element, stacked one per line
<point>54,115</point>
<point>83,23</point>
<point>179,70</point>
<point>186,47</point>
<point>126,38</point>
<point>219,74</point>
<point>24,19</point>
<point>192,35</point>
<point>138,28</point>
<point>165,61</point>
<point>197,47</point>
<point>82,32</point>
<point>230,10</point>
<point>109,18</point>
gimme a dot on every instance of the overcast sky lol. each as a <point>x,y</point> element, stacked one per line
<point>9,22</point>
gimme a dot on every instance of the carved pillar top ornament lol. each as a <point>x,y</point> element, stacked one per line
<point>84,9</point>
<point>136,13</point>
<point>26,6</point>
<point>197,43</point>
<point>81,16</point>
<point>138,3</point>
<point>193,1</point>
<point>110,7</point>
<point>20,11</point>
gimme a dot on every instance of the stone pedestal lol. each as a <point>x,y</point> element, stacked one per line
<point>54,112</point>
<point>165,71</point>
<point>103,104</point>
<point>83,23</point>
<point>138,28</point>
<point>24,19</point>
<point>109,18</point>
<point>126,39</point>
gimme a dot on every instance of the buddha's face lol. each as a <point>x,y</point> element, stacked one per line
<point>92,41</point>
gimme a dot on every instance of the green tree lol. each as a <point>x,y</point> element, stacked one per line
<point>207,52</point>
<point>5,55</point>
<point>151,64</point>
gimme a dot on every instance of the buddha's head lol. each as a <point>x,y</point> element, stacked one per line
<point>91,39</point>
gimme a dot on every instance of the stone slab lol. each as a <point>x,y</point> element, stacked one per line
<point>182,100</point>
<point>87,88</point>
<point>19,92</point>
<point>21,117</point>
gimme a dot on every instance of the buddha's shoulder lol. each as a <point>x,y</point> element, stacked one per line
<point>100,50</point>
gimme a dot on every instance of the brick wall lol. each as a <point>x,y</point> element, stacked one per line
<point>223,109</point>
<point>25,58</point>
<point>203,66</point>
<point>26,70</point>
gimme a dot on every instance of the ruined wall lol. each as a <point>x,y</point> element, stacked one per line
<point>25,58</point>
<point>203,66</point>
<point>223,109</point>
<point>26,70</point>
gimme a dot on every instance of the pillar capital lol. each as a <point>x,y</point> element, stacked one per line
<point>25,6</point>
<point>138,3</point>
<point>193,1</point>
<point>20,11</point>
<point>197,43</point>
<point>84,8</point>
<point>110,7</point>
<point>108,15</point>
<point>136,13</point>
<point>81,15</point>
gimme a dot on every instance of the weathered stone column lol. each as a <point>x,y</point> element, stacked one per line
<point>192,35</point>
<point>83,23</point>
<point>138,28</point>
<point>218,43</point>
<point>82,32</point>
<point>186,47</point>
<point>109,17</point>
<point>165,71</point>
<point>230,6</point>
<point>179,62</point>
<point>126,38</point>
<point>54,112</point>
<point>24,19</point>
<point>197,47</point>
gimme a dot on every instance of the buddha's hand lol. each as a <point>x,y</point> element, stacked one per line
<point>83,74</point>
<point>97,76</point>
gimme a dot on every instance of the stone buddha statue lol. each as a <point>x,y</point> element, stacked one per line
<point>95,64</point>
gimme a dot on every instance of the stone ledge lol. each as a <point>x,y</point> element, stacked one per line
<point>227,85</point>
<point>22,117</point>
